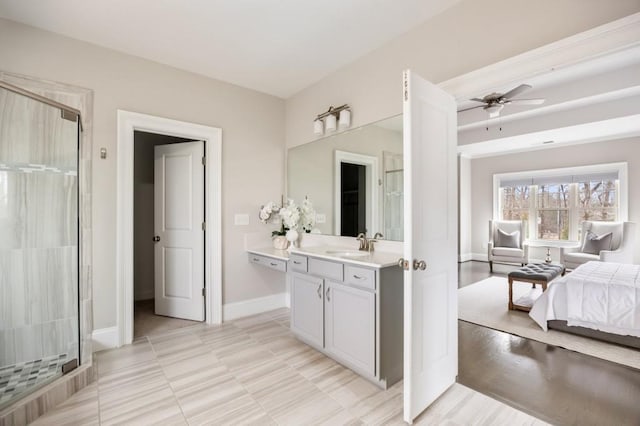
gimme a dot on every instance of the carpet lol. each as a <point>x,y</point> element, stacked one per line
<point>485,303</point>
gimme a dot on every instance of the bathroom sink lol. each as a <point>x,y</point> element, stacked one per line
<point>347,253</point>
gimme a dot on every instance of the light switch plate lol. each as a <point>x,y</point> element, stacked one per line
<point>241,219</point>
<point>321,218</point>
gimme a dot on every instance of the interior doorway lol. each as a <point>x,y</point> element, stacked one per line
<point>153,311</point>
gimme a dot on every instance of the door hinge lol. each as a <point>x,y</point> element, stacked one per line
<point>203,292</point>
<point>204,161</point>
<point>204,226</point>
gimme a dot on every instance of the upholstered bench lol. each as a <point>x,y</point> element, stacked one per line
<point>533,273</point>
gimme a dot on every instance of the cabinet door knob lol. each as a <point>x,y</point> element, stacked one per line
<point>419,265</point>
<point>319,291</point>
<point>403,264</point>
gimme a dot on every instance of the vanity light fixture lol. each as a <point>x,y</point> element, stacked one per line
<point>328,121</point>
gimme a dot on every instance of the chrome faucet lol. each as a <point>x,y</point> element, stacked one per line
<point>364,243</point>
<point>367,244</point>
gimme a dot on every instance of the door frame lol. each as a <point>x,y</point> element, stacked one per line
<point>371,165</point>
<point>128,122</point>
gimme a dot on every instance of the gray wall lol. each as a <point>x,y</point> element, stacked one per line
<point>252,148</point>
<point>483,169</point>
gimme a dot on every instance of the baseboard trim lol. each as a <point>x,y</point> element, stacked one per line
<point>105,338</point>
<point>144,295</point>
<point>465,257</point>
<point>231,311</point>
<point>482,257</point>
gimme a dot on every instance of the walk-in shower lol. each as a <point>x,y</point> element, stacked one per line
<point>39,241</point>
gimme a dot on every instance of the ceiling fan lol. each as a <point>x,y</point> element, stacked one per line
<point>494,102</point>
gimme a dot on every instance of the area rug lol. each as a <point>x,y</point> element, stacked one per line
<point>485,303</point>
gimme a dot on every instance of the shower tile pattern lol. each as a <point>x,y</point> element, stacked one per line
<point>19,378</point>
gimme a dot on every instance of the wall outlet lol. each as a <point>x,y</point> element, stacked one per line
<point>321,218</point>
<point>241,219</point>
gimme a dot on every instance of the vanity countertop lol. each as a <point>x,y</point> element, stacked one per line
<point>270,252</point>
<point>374,259</point>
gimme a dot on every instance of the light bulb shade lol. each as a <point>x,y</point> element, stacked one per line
<point>330,123</point>
<point>318,127</point>
<point>345,118</point>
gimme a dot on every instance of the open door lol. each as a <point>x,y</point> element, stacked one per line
<point>179,230</point>
<point>430,244</point>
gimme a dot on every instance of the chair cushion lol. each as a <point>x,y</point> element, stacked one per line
<point>594,244</point>
<point>511,240</point>
<point>507,252</point>
<point>578,257</point>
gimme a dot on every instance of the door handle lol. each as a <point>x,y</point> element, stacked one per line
<point>156,239</point>
<point>328,298</point>
<point>419,265</point>
<point>403,264</point>
<point>319,291</point>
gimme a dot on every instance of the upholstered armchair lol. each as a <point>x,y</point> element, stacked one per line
<point>619,248</point>
<point>507,242</point>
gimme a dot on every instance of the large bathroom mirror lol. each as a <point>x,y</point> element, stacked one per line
<point>354,180</point>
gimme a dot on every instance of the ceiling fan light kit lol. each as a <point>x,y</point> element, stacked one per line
<point>495,102</point>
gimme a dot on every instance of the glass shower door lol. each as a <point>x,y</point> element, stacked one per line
<point>38,243</point>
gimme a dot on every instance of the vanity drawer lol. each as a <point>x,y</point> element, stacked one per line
<point>362,277</point>
<point>277,264</point>
<point>326,269</point>
<point>298,263</point>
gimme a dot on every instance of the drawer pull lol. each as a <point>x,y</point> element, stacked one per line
<point>255,259</point>
<point>295,262</point>
<point>358,277</point>
<point>319,291</point>
<point>273,264</point>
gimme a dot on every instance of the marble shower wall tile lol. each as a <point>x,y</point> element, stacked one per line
<point>40,210</point>
<point>34,133</point>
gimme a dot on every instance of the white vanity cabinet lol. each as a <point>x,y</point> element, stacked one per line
<point>351,313</point>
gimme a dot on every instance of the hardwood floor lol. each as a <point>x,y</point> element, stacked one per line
<point>554,384</point>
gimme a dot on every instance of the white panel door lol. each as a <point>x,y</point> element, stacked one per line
<point>179,234</point>
<point>430,235</point>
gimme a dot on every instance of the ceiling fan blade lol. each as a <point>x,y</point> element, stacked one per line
<point>477,100</point>
<point>473,107</point>
<point>527,101</point>
<point>516,91</point>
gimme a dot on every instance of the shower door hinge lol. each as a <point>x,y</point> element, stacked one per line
<point>68,367</point>
<point>204,226</point>
<point>204,160</point>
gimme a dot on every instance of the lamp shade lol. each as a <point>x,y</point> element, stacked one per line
<point>330,123</point>
<point>345,118</point>
<point>318,127</point>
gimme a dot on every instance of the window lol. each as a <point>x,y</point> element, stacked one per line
<point>556,202</point>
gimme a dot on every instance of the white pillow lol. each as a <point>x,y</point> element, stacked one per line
<point>511,240</point>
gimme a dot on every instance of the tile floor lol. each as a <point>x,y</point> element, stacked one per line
<point>250,371</point>
<point>146,322</point>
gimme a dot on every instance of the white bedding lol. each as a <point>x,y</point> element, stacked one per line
<point>598,295</point>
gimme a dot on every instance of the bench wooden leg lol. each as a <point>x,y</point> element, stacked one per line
<point>490,266</point>
<point>511,294</point>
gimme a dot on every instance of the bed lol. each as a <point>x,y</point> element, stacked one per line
<point>598,299</point>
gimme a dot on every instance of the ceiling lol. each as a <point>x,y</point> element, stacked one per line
<point>591,101</point>
<point>277,47</point>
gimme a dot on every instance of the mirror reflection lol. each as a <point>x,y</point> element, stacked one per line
<point>354,179</point>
